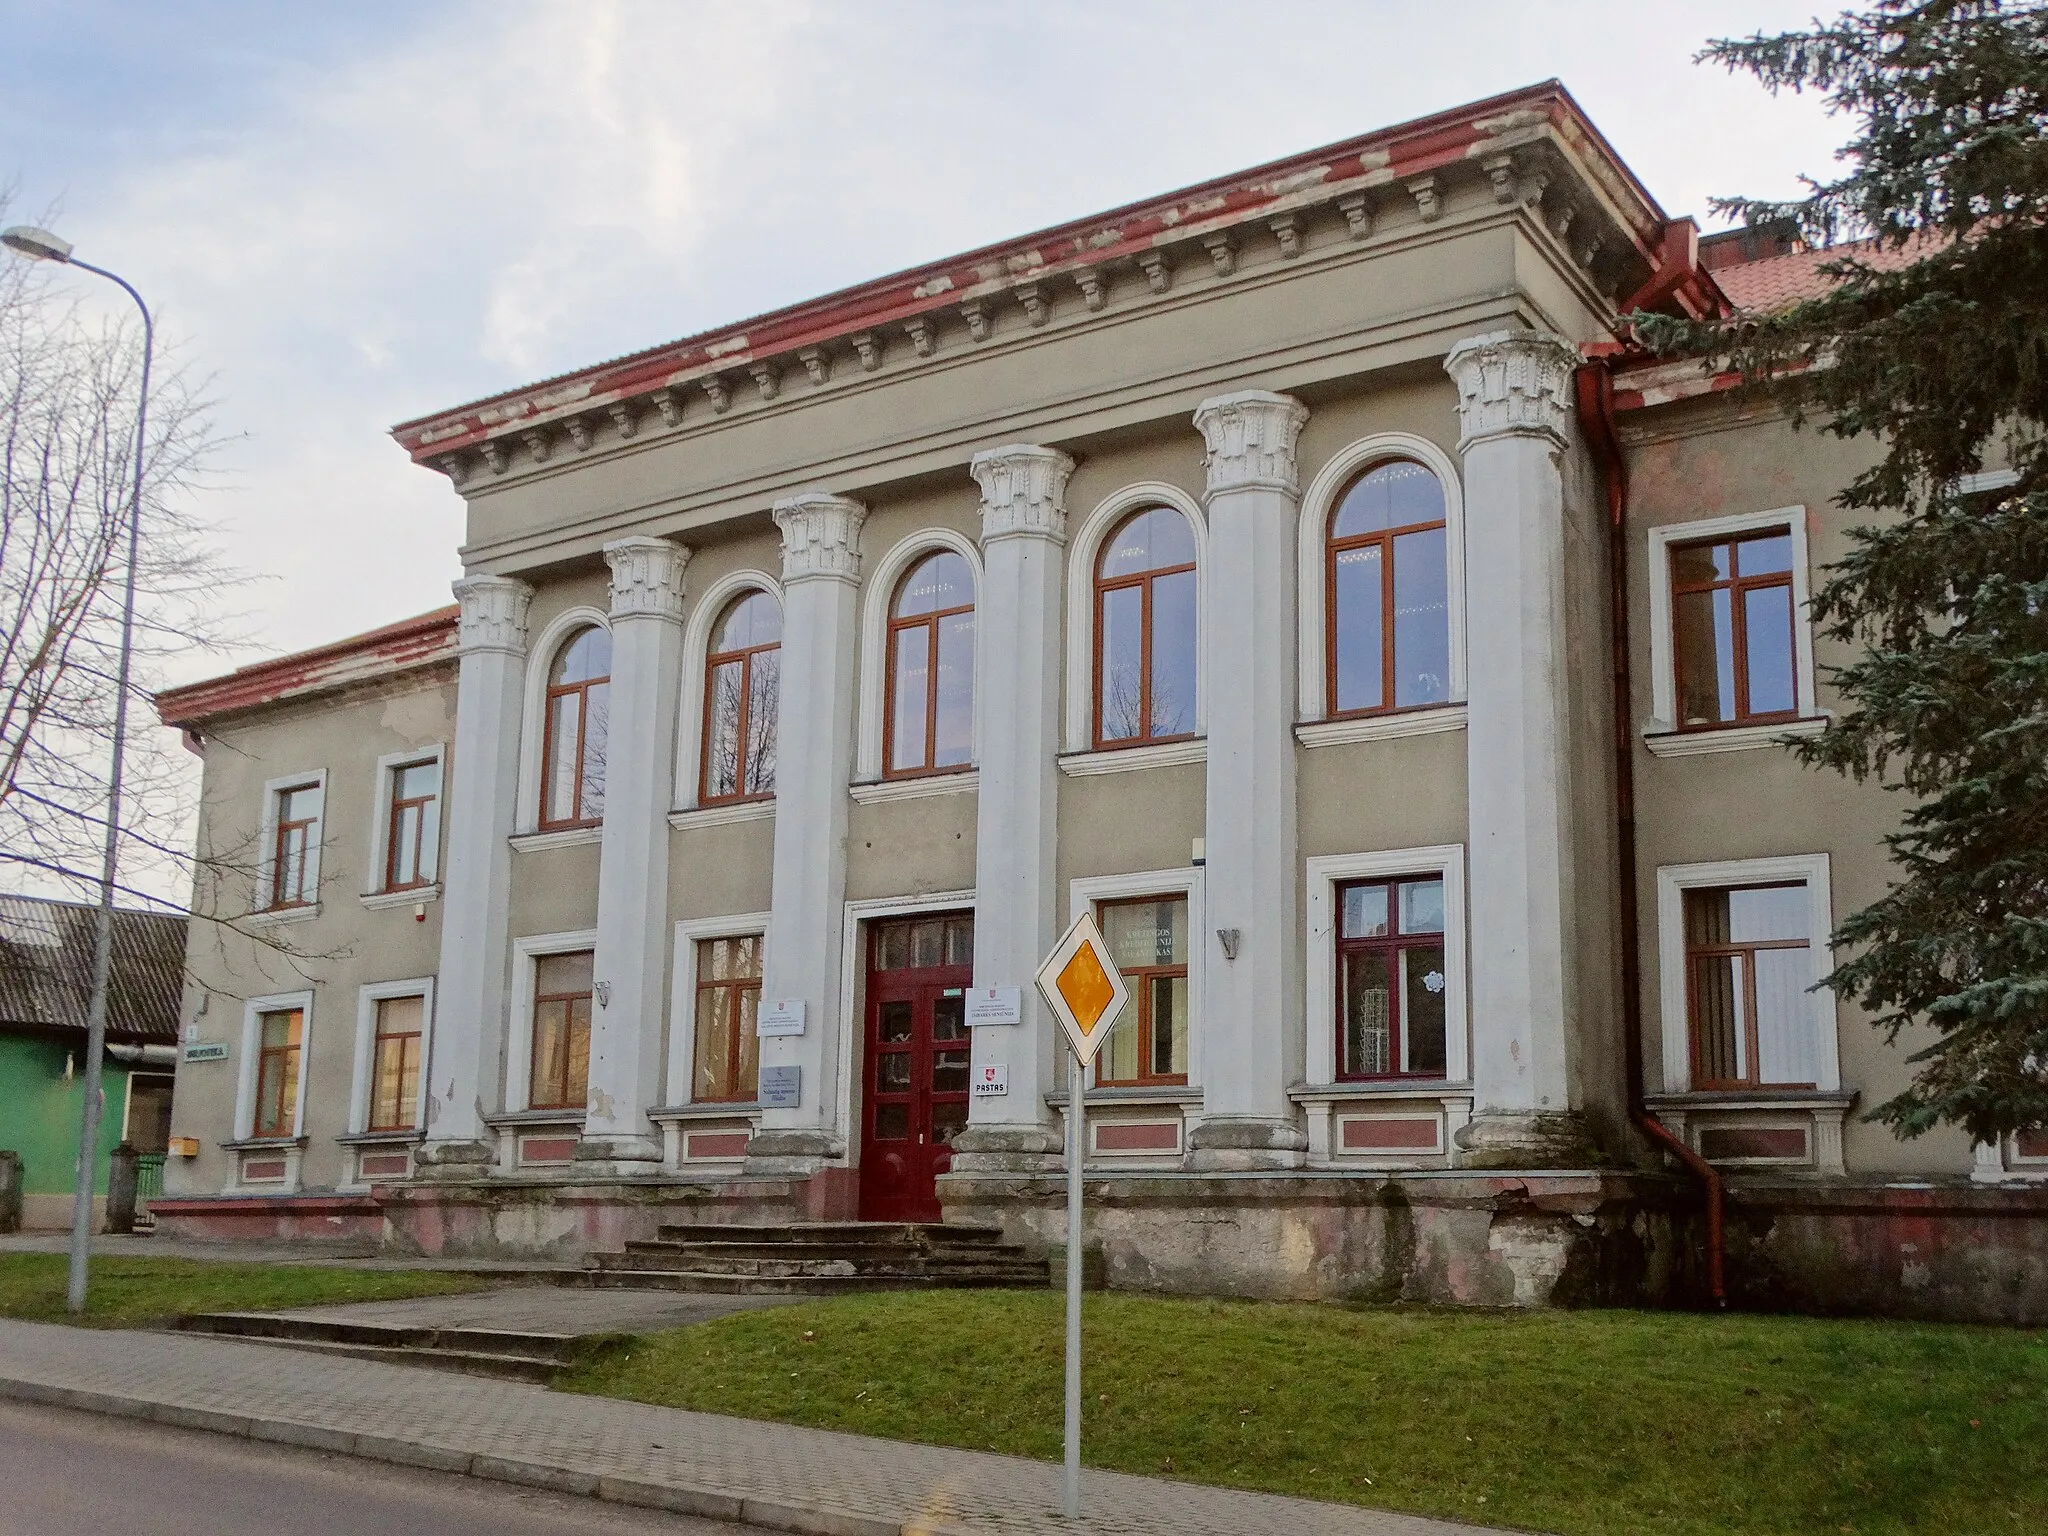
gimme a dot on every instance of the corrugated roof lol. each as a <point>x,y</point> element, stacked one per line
<point>46,969</point>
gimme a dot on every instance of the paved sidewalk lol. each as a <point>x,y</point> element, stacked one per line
<point>541,1309</point>
<point>298,1251</point>
<point>772,1475</point>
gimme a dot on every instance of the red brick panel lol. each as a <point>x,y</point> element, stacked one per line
<point>1143,1136</point>
<point>1421,1135</point>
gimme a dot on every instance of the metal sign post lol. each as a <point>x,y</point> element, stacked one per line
<point>1082,986</point>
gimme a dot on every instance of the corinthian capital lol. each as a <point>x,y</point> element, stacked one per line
<point>647,577</point>
<point>1023,491</point>
<point>493,614</point>
<point>1513,384</point>
<point>1251,440</point>
<point>820,536</point>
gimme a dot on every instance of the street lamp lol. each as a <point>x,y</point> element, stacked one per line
<point>41,245</point>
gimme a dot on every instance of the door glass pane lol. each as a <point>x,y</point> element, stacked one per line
<point>1422,619</point>
<point>955,739</point>
<point>1716,1018</point>
<point>1123,663</point>
<point>1422,1007</point>
<point>1365,912</point>
<point>960,941</point>
<point>1767,638</point>
<point>949,1071</point>
<point>892,947</point>
<point>907,710</point>
<point>948,1121</point>
<point>894,1025</point>
<point>892,1072</point>
<point>722,758</point>
<point>1357,627</point>
<point>892,1122</point>
<point>1785,1045</point>
<point>1173,654</point>
<point>1706,657</point>
<point>927,944</point>
<point>764,686</point>
<point>949,1018</point>
<point>1368,1026</point>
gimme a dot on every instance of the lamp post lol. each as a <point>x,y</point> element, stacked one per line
<point>41,245</point>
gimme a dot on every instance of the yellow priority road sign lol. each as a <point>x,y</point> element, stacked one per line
<point>1082,986</point>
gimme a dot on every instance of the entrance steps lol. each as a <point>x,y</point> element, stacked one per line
<point>513,1356</point>
<point>818,1256</point>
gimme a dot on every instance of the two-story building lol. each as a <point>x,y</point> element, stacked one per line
<point>1293,572</point>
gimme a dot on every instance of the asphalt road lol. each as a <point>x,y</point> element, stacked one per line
<point>65,1473</point>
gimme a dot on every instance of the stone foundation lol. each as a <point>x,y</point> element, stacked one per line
<point>1459,1238</point>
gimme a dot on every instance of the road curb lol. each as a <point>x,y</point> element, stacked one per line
<point>676,1498</point>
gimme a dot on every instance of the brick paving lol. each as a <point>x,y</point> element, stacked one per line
<point>773,1475</point>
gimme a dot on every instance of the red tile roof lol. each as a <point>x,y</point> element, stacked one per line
<point>1777,281</point>
<point>415,642</point>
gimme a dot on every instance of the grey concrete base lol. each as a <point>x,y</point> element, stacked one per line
<point>1529,1239</point>
<point>616,1156</point>
<point>452,1159</point>
<point>1493,1139</point>
<point>986,1149</point>
<point>1238,1144</point>
<point>787,1154</point>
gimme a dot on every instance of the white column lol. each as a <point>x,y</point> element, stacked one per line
<point>1250,1012</point>
<point>1016,903</point>
<point>465,1073</point>
<point>813,763</point>
<point>1514,392</point>
<point>631,964</point>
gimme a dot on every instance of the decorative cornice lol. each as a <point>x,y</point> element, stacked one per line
<point>493,614</point>
<point>647,577</point>
<point>1250,437</point>
<point>1023,491</point>
<point>1513,383</point>
<point>820,536</point>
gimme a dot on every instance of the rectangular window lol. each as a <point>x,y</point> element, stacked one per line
<point>413,831</point>
<point>395,1063</point>
<point>280,1036</point>
<point>1748,963</point>
<point>1148,1044</point>
<point>294,853</point>
<point>561,1031</point>
<point>728,1002</point>
<point>1732,619</point>
<point>1390,978</point>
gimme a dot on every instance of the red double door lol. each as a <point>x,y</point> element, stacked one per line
<point>914,1098</point>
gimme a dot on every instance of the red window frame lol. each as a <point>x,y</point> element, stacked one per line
<point>929,622</point>
<point>1739,587</point>
<point>395,840</point>
<point>401,1113</point>
<point>1334,547</point>
<point>1743,952</point>
<point>725,998</point>
<point>1139,978</point>
<point>1104,585</point>
<point>575,1021</point>
<point>580,789</point>
<point>1394,944</point>
<point>277,1075</point>
<point>743,746</point>
<point>293,837</point>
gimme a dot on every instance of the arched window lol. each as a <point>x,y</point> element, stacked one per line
<point>742,677</point>
<point>1145,630</point>
<point>575,723</point>
<point>929,726</point>
<point>1388,592</point>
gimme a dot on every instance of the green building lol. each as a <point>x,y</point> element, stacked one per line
<point>45,986</point>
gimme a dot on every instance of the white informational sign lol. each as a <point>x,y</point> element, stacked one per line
<point>781,1087</point>
<point>206,1050</point>
<point>991,1081</point>
<point>995,1005</point>
<point>782,1016</point>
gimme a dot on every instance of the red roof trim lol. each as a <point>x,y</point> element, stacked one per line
<point>414,642</point>
<point>1407,149</point>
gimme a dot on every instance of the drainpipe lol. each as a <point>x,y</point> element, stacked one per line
<point>1595,390</point>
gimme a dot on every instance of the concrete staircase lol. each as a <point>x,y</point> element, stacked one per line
<point>514,1356</point>
<point>818,1257</point>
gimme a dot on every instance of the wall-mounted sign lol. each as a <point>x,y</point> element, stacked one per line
<point>781,1087</point>
<point>206,1050</point>
<point>781,1016</point>
<point>991,1081</point>
<point>995,1005</point>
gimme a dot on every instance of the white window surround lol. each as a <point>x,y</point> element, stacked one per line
<point>532,723</point>
<point>1673,881</point>
<point>1317,503</point>
<point>852,1043</point>
<point>1661,730</point>
<point>882,791</point>
<point>1390,726</point>
<point>566,837</point>
<point>261,909</point>
<point>881,585</point>
<point>367,998</point>
<point>519,1033</point>
<point>1190,881</point>
<point>1325,873</point>
<point>707,611</point>
<point>380,823</point>
<point>723,815</point>
<point>252,1036</point>
<point>1082,554</point>
<point>1162,754</point>
<point>416,896</point>
<point>682,997</point>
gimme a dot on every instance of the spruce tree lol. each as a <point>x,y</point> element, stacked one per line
<point>1932,342</point>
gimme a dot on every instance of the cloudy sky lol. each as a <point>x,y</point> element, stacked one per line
<point>353,214</point>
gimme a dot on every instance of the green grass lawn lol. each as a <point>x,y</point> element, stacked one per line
<point>131,1292</point>
<point>1606,1422</point>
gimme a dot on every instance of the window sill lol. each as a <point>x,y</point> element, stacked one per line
<point>723,815</point>
<point>272,917</point>
<point>1382,1088</point>
<point>566,837</point>
<point>418,895</point>
<point>526,1117</point>
<point>380,1138</point>
<point>882,791</point>
<point>1387,727</point>
<point>1666,742</point>
<point>1165,754</point>
<point>263,1144</point>
<point>1753,1098</point>
<point>740,1109</point>
<point>1174,1094</point>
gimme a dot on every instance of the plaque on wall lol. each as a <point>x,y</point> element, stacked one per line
<point>781,1087</point>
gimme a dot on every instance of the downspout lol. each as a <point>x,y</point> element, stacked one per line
<point>1595,390</point>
